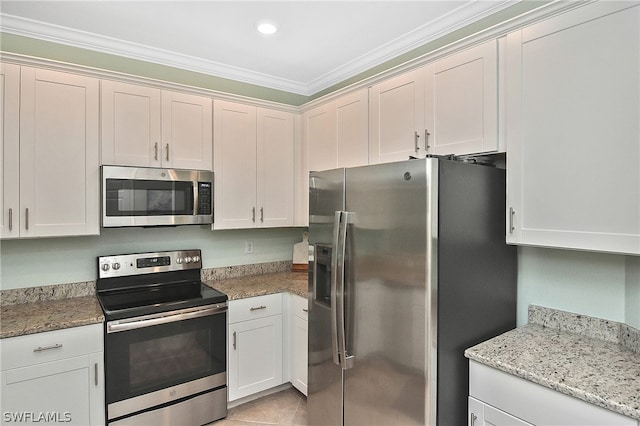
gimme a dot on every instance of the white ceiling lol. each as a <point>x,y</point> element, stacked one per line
<point>319,43</point>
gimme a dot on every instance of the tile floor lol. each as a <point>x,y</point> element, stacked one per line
<point>287,407</point>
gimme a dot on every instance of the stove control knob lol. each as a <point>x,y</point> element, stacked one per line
<point>179,260</point>
<point>116,266</point>
<point>105,267</point>
<point>187,259</point>
<point>196,259</point>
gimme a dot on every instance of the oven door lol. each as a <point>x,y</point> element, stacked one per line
<point>160,358</point>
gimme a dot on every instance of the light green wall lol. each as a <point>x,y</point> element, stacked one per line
<point>632,307</point>
<point>37,262</point>
<point>594,284</point>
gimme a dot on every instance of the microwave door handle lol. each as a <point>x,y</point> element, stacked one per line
<point>334,280</point>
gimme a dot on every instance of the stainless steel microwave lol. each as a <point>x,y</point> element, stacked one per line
<point>142,196</point>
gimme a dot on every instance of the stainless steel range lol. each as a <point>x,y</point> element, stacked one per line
<point>165,340</point>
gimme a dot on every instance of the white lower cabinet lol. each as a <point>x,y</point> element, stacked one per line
<point>501,399</point>
<point>299,342</point>
<point>255,345</point>
<point>54,377</point>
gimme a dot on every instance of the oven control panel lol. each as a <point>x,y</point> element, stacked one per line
<point>148,263</point>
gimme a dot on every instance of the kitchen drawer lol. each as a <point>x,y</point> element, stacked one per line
<point>22,351</point>
<point>255,307</point>
<point>300,307</point>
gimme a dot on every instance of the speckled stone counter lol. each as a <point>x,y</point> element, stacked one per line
<point>259,285</point>
<point>573,354</point>
<point>37,317</point>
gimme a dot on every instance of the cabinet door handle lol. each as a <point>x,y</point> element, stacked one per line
<point>234,340</point>
<point>48,348</point>
<point>426,139</point>
<point>511,213</point>
<point>167,149</point>
<point>155,151</point>
<point>10,219</point>
<point>473,419</point>
<point>305,310</point>
<point>257,308</point>
<point>95,373</point>
<point>253,215</point>
<point>261,214</point>
<point>416,136</point>
<point>26,218</point>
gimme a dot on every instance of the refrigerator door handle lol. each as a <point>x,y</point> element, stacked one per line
<point>346,360</point>
<point>334,279</point>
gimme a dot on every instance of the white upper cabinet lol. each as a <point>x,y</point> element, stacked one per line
<point>148,127</point>
<point>573,138</point>
<point>336,133</point>
<point>275,158</point>
<point>253,165</point>
<point>57,192</point>
<point>449,106</point>
<point>352,129</point>
<point>186,131</point>
<point>461,114</point>
<point>10,152</point>
<point>396,117</point>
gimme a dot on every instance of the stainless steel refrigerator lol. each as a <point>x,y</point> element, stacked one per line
<point>410,267</point>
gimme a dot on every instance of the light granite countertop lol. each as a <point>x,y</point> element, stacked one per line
<point>259,285</point>
<point>573,359</point>
<point>37,317</point>
<point>47,315</point>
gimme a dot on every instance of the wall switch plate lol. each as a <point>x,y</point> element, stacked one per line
<point>248,247</point>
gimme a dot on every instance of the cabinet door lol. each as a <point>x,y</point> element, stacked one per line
<point>59,173</point>
<point>319,133</point>
<point>275,168</point>
<point>186,131</point>
<point>396,117</point>
<point>69,391</point>
<point>234,165</point>
<point>352,129</point>
<point>10,151</point>
<point>255,356</point>
<point>481,414</point>
<point>462,102</point>
<point>573,101</point>
<point>130,125</point>
<point>299,353</point>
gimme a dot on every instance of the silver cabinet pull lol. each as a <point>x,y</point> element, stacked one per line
<point>167,148</point>
<point>261,214</point>
<point>253,215</point>
<point>234,340</point>
<point>95,373</point>
<point>257,308</point>
<point>511,213</point>
<point>10,219</point>
<point>473,419</point>
<point>155,151</point>
<point>426,139</point>
<point>416,136</point>
<point>26,218</point>
<point>48,348</point>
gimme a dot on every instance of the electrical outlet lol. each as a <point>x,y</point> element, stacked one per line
<point>248,247</point>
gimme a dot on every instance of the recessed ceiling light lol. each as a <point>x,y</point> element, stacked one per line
<point>267,28</point>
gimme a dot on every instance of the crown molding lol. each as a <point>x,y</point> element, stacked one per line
<point>465,14</point>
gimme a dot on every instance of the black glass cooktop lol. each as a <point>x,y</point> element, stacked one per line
<point>154,298</point>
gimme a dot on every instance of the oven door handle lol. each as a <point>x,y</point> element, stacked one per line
<point>164,318</point>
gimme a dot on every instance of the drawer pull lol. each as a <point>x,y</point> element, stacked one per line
<point>257,308</point>
<point>47,348</point>
<point>305,310</point>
